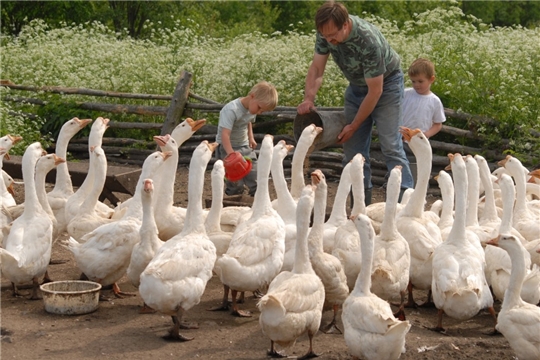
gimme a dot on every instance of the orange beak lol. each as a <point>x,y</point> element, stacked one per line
<point>196,124</point>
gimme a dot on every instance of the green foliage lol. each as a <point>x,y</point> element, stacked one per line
<point>482,70</point>
<point>15,121</point>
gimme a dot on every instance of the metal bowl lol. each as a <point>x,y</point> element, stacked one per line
<point>71,297</point>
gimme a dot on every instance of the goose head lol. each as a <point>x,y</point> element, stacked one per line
<point>73,126</point>
<point>186,129</point>
<point>148,186</point>
<point>7,142</point>
<point>505,241</point>
<point>166,142</point>
<point>535,174</point>
<point>317,177</point>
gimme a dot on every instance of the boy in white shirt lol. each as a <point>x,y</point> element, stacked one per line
<point>422,109</point>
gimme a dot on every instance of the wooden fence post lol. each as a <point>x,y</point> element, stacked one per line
<point>178,103</point>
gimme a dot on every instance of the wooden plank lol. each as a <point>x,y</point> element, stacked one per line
<point>178,103</point>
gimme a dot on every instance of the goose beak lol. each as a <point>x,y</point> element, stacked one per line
<point>213,146</point>
<point>316,177</point>
<point>494,242</point>
<point>58,160</point>
<point>11,189</point>
<point>289,147</point>
<point>162,140</point>
<point>82,123</point>
<point>196,124</point>
<point>14,139</point>
<point>148,185</point>
<point>106,122</point>
<point>449,166</point>
<point>503,161</point>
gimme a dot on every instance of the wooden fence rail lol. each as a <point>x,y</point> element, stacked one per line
<point>183,103</point>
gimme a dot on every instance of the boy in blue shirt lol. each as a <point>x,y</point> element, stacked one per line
<point>235,132</point>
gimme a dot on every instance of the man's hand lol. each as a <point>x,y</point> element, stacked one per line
<point>345,134</point>
<point>306,107</point>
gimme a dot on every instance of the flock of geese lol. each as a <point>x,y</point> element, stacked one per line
<point>467,250</point>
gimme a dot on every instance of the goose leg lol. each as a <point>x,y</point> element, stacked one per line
<point>410,302</point>
<point>494,315</point>
<point>46,278</point>
<point>310,354</point>
<point>332,328</point>
<point>35,290</point>
<point>119,293</point>
<point>400,314</point>
<point>273,353</point>
<point>235,310</point>
<point>16,292</point>
<point>174,331</point>
<point>146,309</point>
<point>439,327</point>
<point>428,303</point>
<point>224,303</point>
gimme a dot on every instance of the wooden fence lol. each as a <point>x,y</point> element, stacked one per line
<point>183,103</point>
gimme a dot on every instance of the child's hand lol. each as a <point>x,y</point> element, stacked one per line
<point>252,144</point>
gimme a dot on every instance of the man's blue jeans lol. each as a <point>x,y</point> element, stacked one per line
<point>387,117</point>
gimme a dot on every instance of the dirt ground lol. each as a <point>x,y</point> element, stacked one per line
<point>117,331</point>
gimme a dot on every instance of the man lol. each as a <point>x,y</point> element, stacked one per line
<point>375,90</point>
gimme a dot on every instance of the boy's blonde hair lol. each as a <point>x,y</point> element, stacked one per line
<point>266,94</point>
<point>422,66</point>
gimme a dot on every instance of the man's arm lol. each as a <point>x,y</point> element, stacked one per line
<point>314,80</point>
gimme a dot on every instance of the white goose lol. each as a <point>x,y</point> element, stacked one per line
<point>490,216</point>
<point>6,143</point>
<point>286,205</point>
<point>44,165</point>
<point>518,321</point>
<point>255,254</point>
<point>220,238</point>
<point>63,188</point>
<point>294,301</point>
<point>484,233</point>
<point>144,251</point>
<point>459,284</point>
<point>422,234</point>
<point>212,224</point>
<point>5,216</point>
<point>169,218</point>
<point>498,262</point>
<point>105,253</point>
<point>8,182</point>
<point>447,212</point>
<point>338,215</point>
<point>525,219</point>
<point>87,217</point>
<point>181,133</point>
<point>347,242</point>
<point>326,266</point>
<point>371,331</point>
<point>175,279</point>
<point>74,202</point>
<point>303,146</point>
<point>28,246</point>
<point>391,254</point>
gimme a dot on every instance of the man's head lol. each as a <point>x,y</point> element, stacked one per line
<point>332,22</point>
